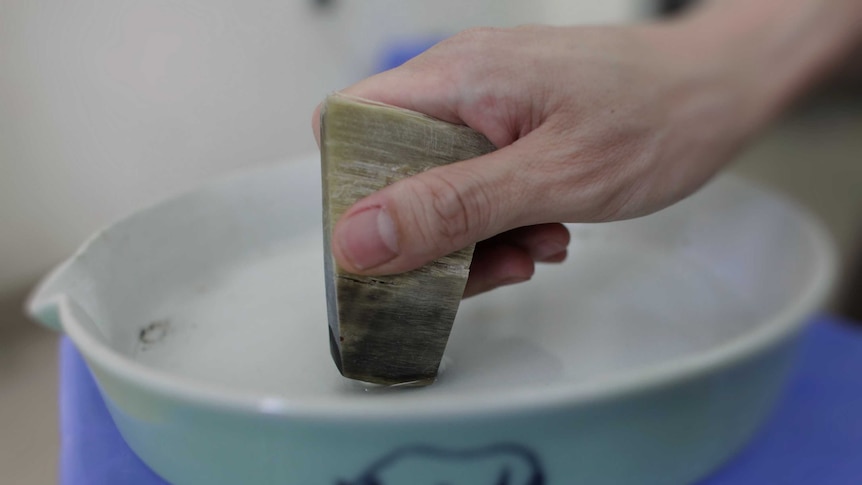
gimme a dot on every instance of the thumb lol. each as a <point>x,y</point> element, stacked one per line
<point>421,218</point>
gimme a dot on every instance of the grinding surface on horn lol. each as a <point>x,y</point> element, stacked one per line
<point>388,329</point>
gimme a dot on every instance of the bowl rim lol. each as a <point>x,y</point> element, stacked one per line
<point>772,331</point>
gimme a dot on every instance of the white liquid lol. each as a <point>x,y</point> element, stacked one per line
<point>260,324</point>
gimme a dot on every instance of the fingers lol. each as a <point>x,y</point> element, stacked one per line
<point>510,257</point>
<point>424,217</point>
<point>496,265</point>
<point>411,86</point>
<point>545,243</point>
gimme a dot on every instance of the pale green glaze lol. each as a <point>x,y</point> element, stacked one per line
<point>659,437</point>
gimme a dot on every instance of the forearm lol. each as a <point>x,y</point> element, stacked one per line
<point>775,50</point>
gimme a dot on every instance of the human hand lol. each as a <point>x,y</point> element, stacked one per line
<point>592,124</point>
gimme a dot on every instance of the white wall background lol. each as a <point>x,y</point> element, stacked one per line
<point>108,105</point>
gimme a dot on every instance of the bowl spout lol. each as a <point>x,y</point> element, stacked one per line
<point>43,305</point>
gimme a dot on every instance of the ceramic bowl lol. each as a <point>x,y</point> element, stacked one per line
<point>649,357</point>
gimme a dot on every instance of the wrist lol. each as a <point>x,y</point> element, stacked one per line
<point>709,98</point>
<point>772,51</point>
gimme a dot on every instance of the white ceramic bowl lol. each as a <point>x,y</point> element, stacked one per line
<point>649,357</point>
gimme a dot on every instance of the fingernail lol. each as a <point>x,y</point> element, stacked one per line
<point>368,238</point>
<point>546,250</point>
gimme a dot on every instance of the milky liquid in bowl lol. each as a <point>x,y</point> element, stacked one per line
<point>258,323</point>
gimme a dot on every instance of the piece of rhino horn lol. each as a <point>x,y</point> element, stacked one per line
<point>388,329</point>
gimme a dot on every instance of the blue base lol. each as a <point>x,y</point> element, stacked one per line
<point>813,438</point>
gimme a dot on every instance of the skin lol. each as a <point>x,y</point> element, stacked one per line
<point>592,124</point>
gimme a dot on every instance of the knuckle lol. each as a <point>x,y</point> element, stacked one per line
<point>456,211</point>
<point>463,48</point>
<point>450,208</point>
<point>474,34</point>
<point>476,43</point>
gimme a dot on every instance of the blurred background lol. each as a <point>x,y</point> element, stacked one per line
<point>109,105</point>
